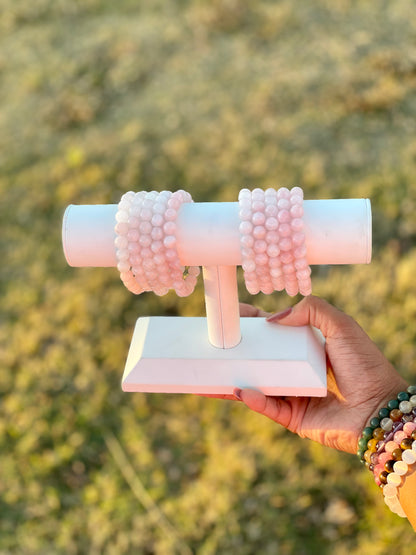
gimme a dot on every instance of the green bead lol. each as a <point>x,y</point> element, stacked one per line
<point>375,422</point>
<point>367,433</point>
<point>360,455</point>
<point>403,396</point>
<point>411,389</point>
<point>383,413</point>
<point>362,443</point>
<point>393,404</point>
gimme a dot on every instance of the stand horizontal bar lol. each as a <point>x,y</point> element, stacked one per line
<point>173,355</point>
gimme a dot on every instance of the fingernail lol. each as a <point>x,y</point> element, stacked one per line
<point>237,394</point>
<point>279,315</point>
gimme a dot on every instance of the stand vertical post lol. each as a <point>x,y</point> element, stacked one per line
<point>221,302</point>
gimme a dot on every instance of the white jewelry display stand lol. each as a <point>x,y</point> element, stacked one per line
<point>218,353</point>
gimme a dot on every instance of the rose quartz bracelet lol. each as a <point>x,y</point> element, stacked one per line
<point>145,243</point>
<point>273,241</point>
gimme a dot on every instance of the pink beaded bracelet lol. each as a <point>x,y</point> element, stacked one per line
<point>272,241</point>
<point>146,245</point>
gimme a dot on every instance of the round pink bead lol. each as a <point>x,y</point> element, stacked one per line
<point>301,263</point>
<point>134,222</point>
<point>148,203</point>
<point>271,224</point>
<point>298,238</point>
<point>146,253</point>
<point>296,211</point>
<point>286,257</point>
<point>297,224</point>
<point>273,250</point>
<point>300,252</point>
<point>121,242</point>
<point>283,192</point>
<point>272,237</point>
<point>270,192</point>
<point>169,228</point>
<point>296,191</point>
<point>258,218</point>
<point>303,274</point>
<point>244,195</point>
<point>246,228</point>
<point>276,272</point>
<point>247,241</point>
<point>258,206</point>
<point>274,262</point>
<point>135,210</point>
<point>157,246</point>
<point>135,260</point>
<point>245,214</point>
<point>257,194</point>
<point>271,210</point>
<point>399,436</point>
<point>305,288</point>
<point>146,214</point>
<point>285,244</point>
<point>260,246</point>
<point>283,204</point>
<point>174,203</point>
<point>157,220</point>
<point>157,234</point>
<point>261,259</point>
<point>250,276</point>
<point>379,467</point>
<point>249,265</point>
<point>285,230</point>
<point>145,227</point>
<point>159,208</point>
<point>122,216</point>
<point>145,240</point>
<point>170,214</point>
<point>409,427</point>
<point>292,289</point>
<point>288,269</point>
<point>133,235</point>
<point>169,241</point>
<point>122,228</point>
<point>391,446</point>
<point>268,288</point>
<point>247,252</point>
<point>259,232</point>
<point>383,458</point>
<point>252,287</point>
<point>296,200</point>
<point>283,216</point>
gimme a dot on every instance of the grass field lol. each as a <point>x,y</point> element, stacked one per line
<point>100,97</point>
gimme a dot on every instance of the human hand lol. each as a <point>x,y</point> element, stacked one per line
<point>360,379</point>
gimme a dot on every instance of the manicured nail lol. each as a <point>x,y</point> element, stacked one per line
<point>237,394</point>
<point>279,315</point>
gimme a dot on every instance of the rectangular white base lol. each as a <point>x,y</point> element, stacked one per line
<point>173,355</point>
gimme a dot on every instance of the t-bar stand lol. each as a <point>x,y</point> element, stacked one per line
<point>174,354</point>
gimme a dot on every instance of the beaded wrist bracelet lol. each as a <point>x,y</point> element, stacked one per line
<point>273,249</point>
<point>398,411</point>
<point>145,243</point>
<point>388,446</point>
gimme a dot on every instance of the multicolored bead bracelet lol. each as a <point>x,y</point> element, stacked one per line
<point>388,445</point>
<point>398,411</point>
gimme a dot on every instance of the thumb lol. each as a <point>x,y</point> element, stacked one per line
<point>319,313</point>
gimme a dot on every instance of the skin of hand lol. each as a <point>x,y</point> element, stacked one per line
<point>360,380</point>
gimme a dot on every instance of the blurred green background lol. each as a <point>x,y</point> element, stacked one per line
<point>100,97</point>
